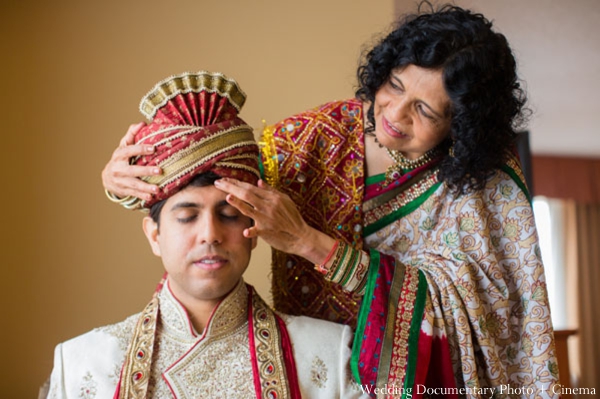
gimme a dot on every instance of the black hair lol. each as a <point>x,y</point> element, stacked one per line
<point>200,180</point>
<point>480,78</point>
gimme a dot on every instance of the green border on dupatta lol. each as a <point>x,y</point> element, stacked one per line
<point>374,179</point>
<point>400,213</point>
<point>510,171</point>
<point>364,313</point>
<point>415,333</point>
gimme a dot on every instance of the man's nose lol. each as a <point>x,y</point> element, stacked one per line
<point>209,231</point>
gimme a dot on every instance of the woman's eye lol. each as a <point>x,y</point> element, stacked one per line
<point>395,86</point>
<point>425,113</point>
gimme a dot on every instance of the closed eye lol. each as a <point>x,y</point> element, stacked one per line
<point>396,86</point>
<point>228,212</point>
<point>424,112</point>
<point>187,219</point>
<point>229,216</point>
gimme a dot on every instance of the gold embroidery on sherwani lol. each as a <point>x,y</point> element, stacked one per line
<point>218,363</point>
<point>318,372</point>
<point>486,292</point>
<point>269,353</point>
<point>121,331</point>
<point>88,387</point>
<point>136,370</point>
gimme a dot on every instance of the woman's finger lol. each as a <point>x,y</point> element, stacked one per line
<point>265,186</point>
<point>251,232</point>
<point>137,188</point>
<point>123,179</point>
<point>241,190</point>
<point>244,207</point>
<point>129,137</point>
<point>136,171</point>
<point>125,153</point>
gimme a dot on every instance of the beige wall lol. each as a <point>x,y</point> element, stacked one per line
<point>73,73</point>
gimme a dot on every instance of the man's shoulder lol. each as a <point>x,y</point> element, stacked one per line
<point>91,362</point>
<point>117,334</point>
<point>303,328</point>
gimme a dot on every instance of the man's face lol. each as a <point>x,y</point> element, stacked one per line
<point>201,244</point>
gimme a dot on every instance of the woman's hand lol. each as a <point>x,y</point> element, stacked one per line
<point>276,219</point>
<point>121,178</point>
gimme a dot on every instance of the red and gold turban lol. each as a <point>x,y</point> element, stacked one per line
<point>194,128</point>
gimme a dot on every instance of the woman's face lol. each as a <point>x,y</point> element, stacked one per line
<point>412,111</point>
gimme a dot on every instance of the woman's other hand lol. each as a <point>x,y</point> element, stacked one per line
<point>276,219</point>
<point>121,178</point>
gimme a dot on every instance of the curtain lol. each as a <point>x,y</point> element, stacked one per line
<point>582,257</point>
<point>576,180</point>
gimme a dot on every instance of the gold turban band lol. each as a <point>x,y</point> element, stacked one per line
<point>194,128</point>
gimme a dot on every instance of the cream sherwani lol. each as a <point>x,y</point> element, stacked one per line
<point>215,364</point>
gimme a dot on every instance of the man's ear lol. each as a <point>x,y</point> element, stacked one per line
<point>254,240</point>
<point>151,230</point>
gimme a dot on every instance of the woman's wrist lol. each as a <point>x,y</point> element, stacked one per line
<point>325,266</point>
<point>316,246</point>
<point>347,266</point>
<point>128,202</point>
<point>339,262</point>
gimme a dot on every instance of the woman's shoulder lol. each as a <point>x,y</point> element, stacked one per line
<point>509,173</point>
<point>344,111</point>
<point>503,185</point>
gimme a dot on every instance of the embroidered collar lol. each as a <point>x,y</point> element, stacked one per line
<point>228,315</point>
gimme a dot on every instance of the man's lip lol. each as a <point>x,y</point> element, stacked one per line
<point>210,262</point>
<point>390,129</point>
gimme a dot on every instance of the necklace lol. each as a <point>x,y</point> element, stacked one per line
<point>404,163</point>
<point>401,163</point>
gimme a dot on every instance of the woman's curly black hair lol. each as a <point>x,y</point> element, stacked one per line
<point>479,75</point>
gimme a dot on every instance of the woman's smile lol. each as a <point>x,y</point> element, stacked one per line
<point>392,130</point>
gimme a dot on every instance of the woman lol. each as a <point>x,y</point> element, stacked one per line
<point>409,197</point>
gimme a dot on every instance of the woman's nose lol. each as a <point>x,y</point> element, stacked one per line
<point>401,111</point>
